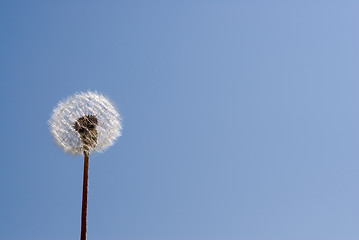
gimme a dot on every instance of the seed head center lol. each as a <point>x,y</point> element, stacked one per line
<point>86,127</point>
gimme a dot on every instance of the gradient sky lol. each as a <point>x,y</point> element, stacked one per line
<point>241,119</point>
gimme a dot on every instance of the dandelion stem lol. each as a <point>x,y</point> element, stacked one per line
<point>84,197</point>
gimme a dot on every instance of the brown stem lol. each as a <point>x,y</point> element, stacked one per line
<point>84,197</point>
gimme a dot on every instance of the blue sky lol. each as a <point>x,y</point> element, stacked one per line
<point>241,119</point>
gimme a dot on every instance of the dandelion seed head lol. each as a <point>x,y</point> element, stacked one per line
<point>85,122</point>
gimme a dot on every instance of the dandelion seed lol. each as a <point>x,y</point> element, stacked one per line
<point>81,124</point>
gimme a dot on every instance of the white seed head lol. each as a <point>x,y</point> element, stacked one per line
<point>85,122</point>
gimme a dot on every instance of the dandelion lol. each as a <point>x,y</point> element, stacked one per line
<point>84,123</point>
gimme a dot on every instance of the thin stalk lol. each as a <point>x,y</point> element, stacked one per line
<point>84,197</point>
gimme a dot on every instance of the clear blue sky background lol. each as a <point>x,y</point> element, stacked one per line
<point>241,119</point>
